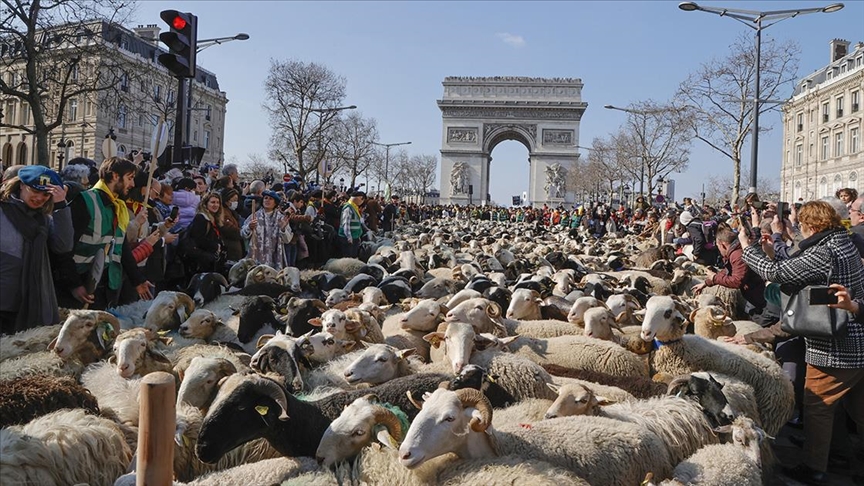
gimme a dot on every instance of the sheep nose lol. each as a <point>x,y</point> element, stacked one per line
<point>348,374</point>
<point>450,315</point>
<point>550,416</point>
<point>403,320</point>
<point>124,366</point>
<point>58,350</point>
<point>590,334</point>
<point>457,366</point>
<point>320,460</point>
<point>405,455</point>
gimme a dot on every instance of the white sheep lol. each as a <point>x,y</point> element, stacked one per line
<point>322,347</point>
<point>61,448</point>
<point>377,364</point>
<point>199,380</point>
<point>204,324</point>
<point>361,423</point>
<point>580,352</point>
<point>28,341</point>
<point>140,351</point>
<point>114,394</point>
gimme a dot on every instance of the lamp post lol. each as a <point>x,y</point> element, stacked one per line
<point>754,20</point>
<point>81,146</point>
<point>61,148</point>
<point>387,156</point>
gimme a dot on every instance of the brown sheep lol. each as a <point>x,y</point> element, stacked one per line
<point>651,255</point>
<point>28,397</point>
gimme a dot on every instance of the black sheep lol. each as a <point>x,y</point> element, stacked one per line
<point>26,398</point>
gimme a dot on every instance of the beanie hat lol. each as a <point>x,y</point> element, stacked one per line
<point>685,218</point>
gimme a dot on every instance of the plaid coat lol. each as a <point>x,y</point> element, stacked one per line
<point>810,267</point>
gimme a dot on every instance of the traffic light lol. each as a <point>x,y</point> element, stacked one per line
<point>182,42</point>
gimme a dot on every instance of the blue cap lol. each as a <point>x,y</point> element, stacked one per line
<point>275,195</point>
<point>39,177</point>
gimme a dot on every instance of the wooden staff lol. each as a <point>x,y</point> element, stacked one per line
<point>155,464</point>
<point>154,158</point>
<point>252,235</point>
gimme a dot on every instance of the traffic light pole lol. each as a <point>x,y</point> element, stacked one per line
<point>179,122</point>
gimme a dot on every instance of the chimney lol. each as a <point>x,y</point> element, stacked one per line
<point>839,49</point>
<point>148,33</point>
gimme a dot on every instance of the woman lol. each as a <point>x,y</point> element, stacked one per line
<point>230,227</point>
<point>847,195</point>
<point>267,229</point>
<point>835,367</point>
<point>201,246</point>
<point>184,197</point>
<point>33,219</point>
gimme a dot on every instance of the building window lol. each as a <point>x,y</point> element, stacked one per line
<point>121,117</point>
<point>839,106</point>
<point>799,155</point>
<point>140,120</point>
<point>195,136</point>
<point>73,110</point>
<point>853,180</point>
<point>171,96</point>
<point>838,144</point>
<point>157,93</point>
<point>74,74</point>
<point>797,194</point>
<point>124,82</point>
<point>10,109</point>
<point>143,86</point>
<point>825,152</point>
<point>25,114</point>
<point>800,122</point>
<point>854,146</point>
<point>823,187</point>
<point>838,183</point>
<point>810,152</point>
<point>206,139</point>
<point>856,100</point>
<point>825,110</point>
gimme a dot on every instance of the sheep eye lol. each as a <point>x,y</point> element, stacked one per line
<point>382,359</point>
<point>329,342</point>
<point>449,419</point>
<point>359,432</point>
<point>143,345</point>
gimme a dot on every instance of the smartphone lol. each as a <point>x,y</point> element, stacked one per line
<point>175,211</point>
<point>822,296</point>
<point>744,224</point>
<point>760,205</point>
<point>782,208</point>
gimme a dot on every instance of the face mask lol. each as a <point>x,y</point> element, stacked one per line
<point>232,205</point>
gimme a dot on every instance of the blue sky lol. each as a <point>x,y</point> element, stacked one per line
<point>394,56</point>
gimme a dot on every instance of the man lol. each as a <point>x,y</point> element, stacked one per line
<point>391,213</point>
<point>201,186</point>
<point>256,188</point>
<point>211,173</point>
<point>737,275</point>
<point>855,216</point>
<point>231,171</point>
<point>100,218</point>
<point>351,225</point>
<point>373,210</point>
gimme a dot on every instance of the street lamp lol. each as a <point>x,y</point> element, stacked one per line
<point>387,156</point>
<point>205,43</point>
<point>61,147</point>
<point>754,19</point>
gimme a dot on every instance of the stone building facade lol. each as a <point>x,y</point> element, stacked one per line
<point>823,149</point>
<point>131,112</point>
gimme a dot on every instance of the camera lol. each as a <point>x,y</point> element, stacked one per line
<point>822,296</point>
<point>760,205</point>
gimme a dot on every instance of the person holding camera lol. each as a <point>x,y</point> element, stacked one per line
<point>835,367</point>
<point>201,247</point>
<point>267,230</point>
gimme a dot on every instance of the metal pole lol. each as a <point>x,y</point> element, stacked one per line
<point>754,155</point>
<point>188,139</point>
<point>177,151</point>
<point>386,163</point>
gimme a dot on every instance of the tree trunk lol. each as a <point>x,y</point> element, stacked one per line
<point>736,178</point>
<point>43,151</point>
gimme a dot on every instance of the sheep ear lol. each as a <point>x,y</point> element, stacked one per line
<point>315,322</point>
<point>51,344</point>
<point>622,317</point>
<point>723,429</point>
<point>347,345</point>
<point>434,338</point>
<point>263,340</point>
<point>158,356</point>
<point>603,401</point>
<point>404,353</point>
<point>693,315</point>
<point>555,388</point>
<point>385,438</point>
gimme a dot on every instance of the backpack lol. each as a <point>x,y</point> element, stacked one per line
<point>709,230</point>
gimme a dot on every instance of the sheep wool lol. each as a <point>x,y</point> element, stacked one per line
<point>28,397</point>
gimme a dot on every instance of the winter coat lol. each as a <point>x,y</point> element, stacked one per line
<point>188,202</point>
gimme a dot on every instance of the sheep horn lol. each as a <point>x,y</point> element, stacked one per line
<point>475,398</point>
<point>271,389</point>
<point>221,279</point>
<point>388,419</point>
<point>102,316</point>
<point>226,367</point>
<point>493,310</point>
<point>319,305</point>
<point>413,401</point>
<point>677,383</point>
<point>187,302</point>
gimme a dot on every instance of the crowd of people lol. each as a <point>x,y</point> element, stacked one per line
<point>100,236</point>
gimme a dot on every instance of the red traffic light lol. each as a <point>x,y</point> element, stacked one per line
<point>178,23</point>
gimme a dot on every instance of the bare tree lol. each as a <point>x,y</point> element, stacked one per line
<point>656,134</point>
<point>355,144</point>
<point>719,187</point>
<point>258,166</point>
<point>55,52</point>
<point>301,102</point>
<point>605,159</point>
<point>423,168</point>
<point>718,98</point>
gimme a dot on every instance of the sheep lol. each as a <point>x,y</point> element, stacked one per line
<point>282,356</point>
<point>462,296</point>
<point>28,397</point>
<point>337,296</point>
<point>599,323</point>
<point>651,255</point>
<point>28,341</point>
<point>711,322</point>
<point>205,325</point>
<point>139,351</point>
<point>322,347</point>
<point>238,272</point>
<point>481,313</point>
<point>290,277</point>
<point>206,287</point>
<point>516,379</point>
<point>378,363</point>
<point>525,305</point>
<point>261,274</point>
<point>268,471</point>
<point>373,295</point>
<point>399,331</point>
<point>580,352</point>
<point>250,406</point>
<point>599,450</point>
<point>45,363</point>
<point>347,267</point>
<point>678,353</point>
<point>738,462</point>
<point>61,448</point>
<point>732,300</point>
<point>544,328</point>
<point>199,379</point>
<point>437,288</point>
<point>638,386</point>
<point>362,422</point>
<point>527,411</point>
<point>167,310</point>
<point>87,335</point>
<point>582,304</point>
<point>362,326</point>
<point>574,399</point>
<point>116,396</point>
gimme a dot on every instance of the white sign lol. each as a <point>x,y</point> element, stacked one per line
<point>159,140</point>
<point>109,148</point>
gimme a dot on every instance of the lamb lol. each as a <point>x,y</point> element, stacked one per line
<point>600,450</point>
<point>28,341</point>
<point>680,354</point>
<point>25,398</point>
<point>250,406</point>
<point>206,325</point>
<point>738,462</point>
<point>61,448</point>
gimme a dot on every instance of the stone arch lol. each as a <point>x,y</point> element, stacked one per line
<point>478,113</point>
<point>21,158</point>
<point>7,154</point>
<point>853,180</point>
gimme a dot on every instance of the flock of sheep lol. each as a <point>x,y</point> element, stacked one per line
<point>452,353</point>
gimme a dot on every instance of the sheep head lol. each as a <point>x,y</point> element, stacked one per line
<point>377,364</point>
<point>362,422</point>
<point>133,349</point>
<point>200,325</point>
<point>664,319</point>
<point>574,399</point>
<point>82,326</point>
<point>200,378</point>
<point>168,310</point>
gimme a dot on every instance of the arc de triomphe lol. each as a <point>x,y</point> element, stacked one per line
<point>479,113</point>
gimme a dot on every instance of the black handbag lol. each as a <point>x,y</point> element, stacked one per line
<point>816,321</point>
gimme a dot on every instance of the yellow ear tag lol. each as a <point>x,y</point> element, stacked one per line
<point>186,441</point>
<point>163,333</point>
<point>262,410</point>
<point>491,380</point>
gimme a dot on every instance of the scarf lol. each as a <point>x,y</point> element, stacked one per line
<point>35,308</point>
<point>119,205</point>
<point>355,208</point>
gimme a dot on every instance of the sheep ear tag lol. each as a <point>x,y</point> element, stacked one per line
<point>163,333</point>
<point>104,334</point>
<point>262,410</point>
<point>385,438</point>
